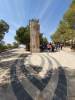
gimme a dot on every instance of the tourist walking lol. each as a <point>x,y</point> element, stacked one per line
<point>49,47</point>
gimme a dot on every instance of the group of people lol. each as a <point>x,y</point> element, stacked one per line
<point>51,47</point>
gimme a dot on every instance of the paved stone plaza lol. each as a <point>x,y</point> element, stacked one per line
<point>37,76</point>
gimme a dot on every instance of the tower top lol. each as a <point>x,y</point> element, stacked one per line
<point>34,20</point>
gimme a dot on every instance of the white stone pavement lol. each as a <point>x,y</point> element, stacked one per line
<point>65,59</point>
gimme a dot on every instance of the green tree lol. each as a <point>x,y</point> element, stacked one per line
<point>9,46</point>
<point>23,36</point>
<point>43,40</point>
<point>4,27</point>
<point>66,29</point>
<point>15,45</point>
<point>69,16</point>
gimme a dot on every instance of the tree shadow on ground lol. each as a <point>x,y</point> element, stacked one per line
<point>7,54</point>
<point>36,68</point>
<point>17,87</point>
<point>61,90</point>
<point>39,83</point>
<point>6,64</point>
<point>20,92</point>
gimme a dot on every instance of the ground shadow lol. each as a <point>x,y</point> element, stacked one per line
<point>17,87</point>
<point>39,83</point>
<point>36,68</point>
<point>61,90</point>
<point>7,54</point>
<point>6,64</point>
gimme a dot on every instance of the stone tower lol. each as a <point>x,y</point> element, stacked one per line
<point>34,35</point>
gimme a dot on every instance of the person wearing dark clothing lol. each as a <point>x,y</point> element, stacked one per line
<point>49,47</point>
<point>53,48</point>
<point>61,46</point>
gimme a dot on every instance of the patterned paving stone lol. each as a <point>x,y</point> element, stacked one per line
<point>26,83</point>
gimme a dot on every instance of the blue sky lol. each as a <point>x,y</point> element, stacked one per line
<point>18,12</point>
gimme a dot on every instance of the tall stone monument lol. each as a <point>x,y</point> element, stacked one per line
<point>34,35</point>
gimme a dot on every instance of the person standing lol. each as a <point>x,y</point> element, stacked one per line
<point>61,46</point>
<point>53,47</point>
<point>49,47</point>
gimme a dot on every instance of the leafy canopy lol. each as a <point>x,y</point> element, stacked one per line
<point>4,27</point>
